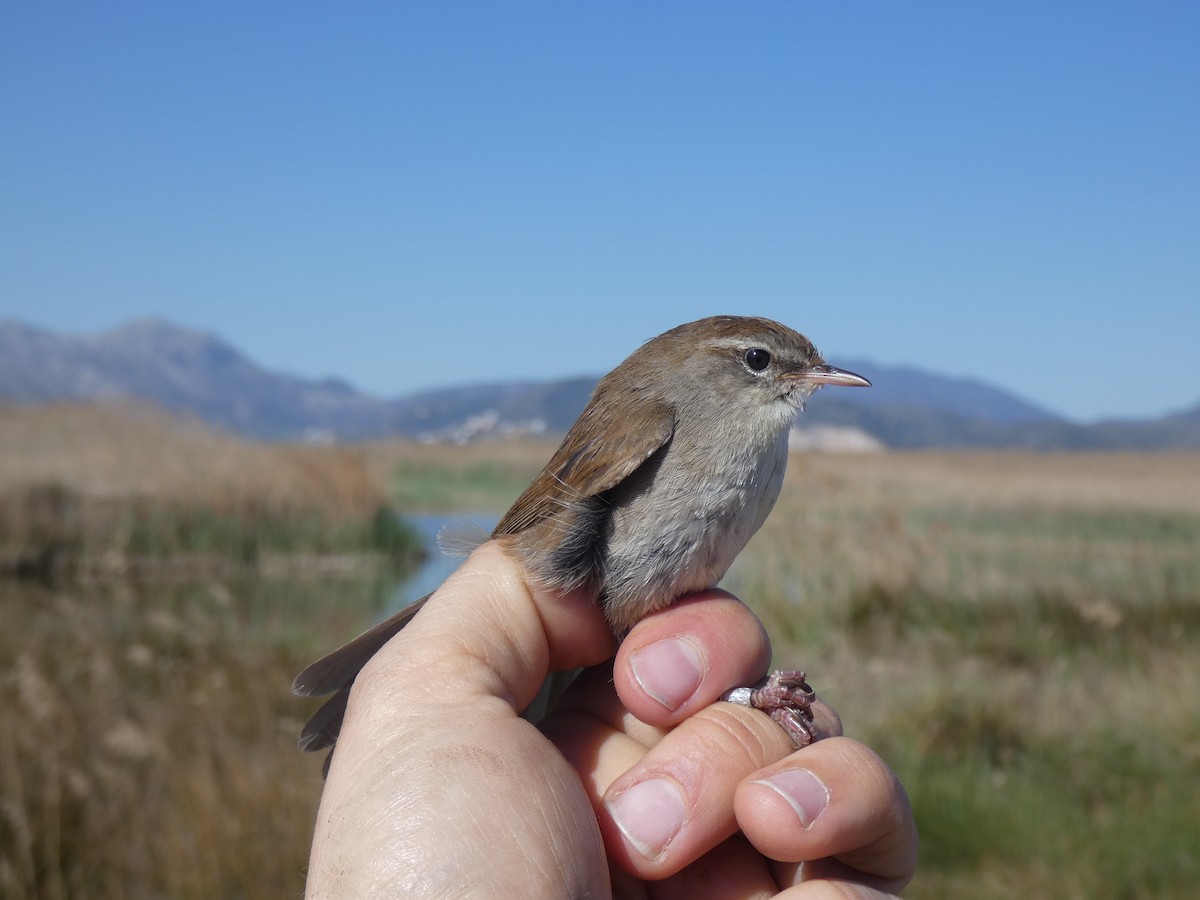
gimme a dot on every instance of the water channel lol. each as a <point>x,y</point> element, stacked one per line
<point>437,565</point>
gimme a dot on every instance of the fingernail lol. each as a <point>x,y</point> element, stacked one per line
<point>803,791</point>
<point>669,670</point>
<point>649,814</point>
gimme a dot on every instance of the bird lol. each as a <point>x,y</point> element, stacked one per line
<point>673,465</point>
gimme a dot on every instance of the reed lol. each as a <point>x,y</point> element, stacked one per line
<point>115,491</point>
<point>1017,634</point>
<point>147,746</point>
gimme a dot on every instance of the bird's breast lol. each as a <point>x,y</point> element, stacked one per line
<point>679,529</point>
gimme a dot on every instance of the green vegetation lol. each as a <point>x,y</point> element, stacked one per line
<point>148,739</point>
<point>1017,634</point>
<point>426,486</point>
<point>1025,652</point>
<point>162,604</point>
<point>89,491</point>
<point>51,531</point>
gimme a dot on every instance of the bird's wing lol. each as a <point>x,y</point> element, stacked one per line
<point>337,669</point>
<point>598,453</point>
<point>607,443</point>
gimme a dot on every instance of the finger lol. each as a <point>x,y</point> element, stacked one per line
<point>675,802</point>
<point>683,658</point>
<point>833,890</point>
<point>607,744</point>
<point>486,631</point>
<point>837,806</point>
<point>826,722</point>
<point>432,747</point>
<point>591,695</point>
<point>732,869</point>
<point>596,711</point>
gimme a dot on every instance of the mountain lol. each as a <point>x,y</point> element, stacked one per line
<point>183,371</point>
<point>909,388</point>
<point>188,371</point>
<point>535,406</point>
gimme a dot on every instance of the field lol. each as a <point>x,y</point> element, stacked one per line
<point>1018,635</point>
<point>160,585</point>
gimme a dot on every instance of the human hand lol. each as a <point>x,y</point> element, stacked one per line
<point>438,787</point>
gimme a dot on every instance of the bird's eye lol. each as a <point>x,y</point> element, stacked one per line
<point>757,358</point>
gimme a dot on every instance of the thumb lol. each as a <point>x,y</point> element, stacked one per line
<point>487,631</point>
<point>434,780</point>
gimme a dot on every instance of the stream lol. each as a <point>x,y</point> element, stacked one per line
<point>438,565</point>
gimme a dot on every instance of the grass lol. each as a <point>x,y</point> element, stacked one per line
<point>147,745</point>
<point>147,741</point>
<point>1017,634</point>
<point>438,478</point>
<point>96,491</point>
<point>1020,637</point>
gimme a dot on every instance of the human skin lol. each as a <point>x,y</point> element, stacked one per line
<point>640,784</point>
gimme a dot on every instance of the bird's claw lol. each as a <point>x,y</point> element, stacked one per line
<point>787,698</point>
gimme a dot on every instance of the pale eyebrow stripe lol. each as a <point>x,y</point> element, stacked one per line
<point>729,342</point>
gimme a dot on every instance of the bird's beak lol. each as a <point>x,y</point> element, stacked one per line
<point>825,374</point>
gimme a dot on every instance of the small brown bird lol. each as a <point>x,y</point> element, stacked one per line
<point>673,465</point>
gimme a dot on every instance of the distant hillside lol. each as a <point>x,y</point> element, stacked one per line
<point>182,371</point>
<point>188,371</point>
<point>535,406</point>
<point>903,387</point>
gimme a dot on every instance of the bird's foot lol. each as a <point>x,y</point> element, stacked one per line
<point>786,698</point>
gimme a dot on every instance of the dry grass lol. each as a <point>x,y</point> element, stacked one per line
<point>1018,634</point>
<point>119,450</point>
<point>147,745</point>
<point>104,491</point>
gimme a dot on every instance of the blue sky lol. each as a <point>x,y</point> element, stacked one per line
<point>411,195</point>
